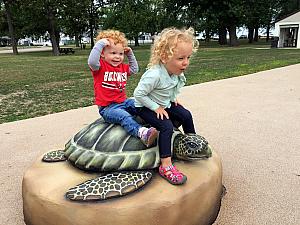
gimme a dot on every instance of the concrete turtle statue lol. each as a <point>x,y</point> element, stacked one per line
<point>124,162</point>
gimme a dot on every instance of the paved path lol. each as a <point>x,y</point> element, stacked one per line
<point>33,49</point>
<point>253,122</point>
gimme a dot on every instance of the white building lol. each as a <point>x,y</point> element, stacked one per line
<point>288,31</point>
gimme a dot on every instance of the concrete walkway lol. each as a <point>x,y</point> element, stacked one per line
<point>252,121</point>
<point>32,49</point>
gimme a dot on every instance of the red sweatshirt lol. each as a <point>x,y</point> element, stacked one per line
<point>110,83</point>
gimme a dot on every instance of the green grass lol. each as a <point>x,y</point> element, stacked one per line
<point>37,83</point>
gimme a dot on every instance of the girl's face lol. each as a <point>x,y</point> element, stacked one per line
<point>113,54</point>
<point>180,60</point>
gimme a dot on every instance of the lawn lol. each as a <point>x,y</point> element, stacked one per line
<point>37,83</point>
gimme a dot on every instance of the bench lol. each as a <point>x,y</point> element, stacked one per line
<point>66,50</point>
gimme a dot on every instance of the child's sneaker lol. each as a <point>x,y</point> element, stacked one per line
<point>148,136</point>
<point>172,175</point>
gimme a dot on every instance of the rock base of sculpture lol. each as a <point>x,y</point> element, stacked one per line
<point>195,203</point>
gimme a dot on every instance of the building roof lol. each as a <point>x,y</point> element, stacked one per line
<point>294,18</point>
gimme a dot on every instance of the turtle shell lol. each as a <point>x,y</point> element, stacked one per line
<point>106,147</point>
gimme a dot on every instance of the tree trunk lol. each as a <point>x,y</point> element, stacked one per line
<point>256,34</point>
<point>57,37</point>
<point>91,23</point>
<point>222,35</point>
<point>268,32</point>
<point>52,31</point>
<point>250,34</point>
<point>7,6</point>
<point>136,41</point>
<point>78,41</point>
<point>232,36</point>
<point>207,35</point>
<point>92,36</point>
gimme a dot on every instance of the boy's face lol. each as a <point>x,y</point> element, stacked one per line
<point>180,60</point>
<point>113,54</point>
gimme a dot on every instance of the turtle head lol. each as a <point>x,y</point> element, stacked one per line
<point>191,147</point>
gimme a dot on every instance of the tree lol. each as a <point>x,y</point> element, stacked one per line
<point>8,5</point>
<point>3,21</point>
<point>42,16</point>
<point>51,10</point>
<point>75,16</point>
<point>154,20</point>
<point>259,13</point>
<point>288,7</point>
<point>268,17</point>
<point>95,14</point>
<point>217,17</point>
<point>252,12</point>
<point>173,14</point>
<point>230,16</point>
<point>127,16</point>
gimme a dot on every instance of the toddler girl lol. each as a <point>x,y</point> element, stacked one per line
<point>156,93</point>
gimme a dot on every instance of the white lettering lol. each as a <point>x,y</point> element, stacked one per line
<point>115,76</point>
<point>110,76</point>
<point>118,77</point>
<point>105,76</point>
<point>124,76</point>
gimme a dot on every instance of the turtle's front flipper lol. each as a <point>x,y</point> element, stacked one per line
<point>109,186</point>
<point>54,156</point>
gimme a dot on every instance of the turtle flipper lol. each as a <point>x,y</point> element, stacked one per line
<point>109,186</point>
<point>54,156</point>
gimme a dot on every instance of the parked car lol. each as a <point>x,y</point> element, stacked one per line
<point>36,43</point>
<point>243,36</point>
<point>48,43</point>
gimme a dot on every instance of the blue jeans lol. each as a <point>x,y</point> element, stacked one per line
<point>123,114</point>
<point>165,127</point>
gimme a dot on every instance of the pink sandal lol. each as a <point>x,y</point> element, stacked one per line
<point>174,176</point>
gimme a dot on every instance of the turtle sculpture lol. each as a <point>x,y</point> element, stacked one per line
<point>125,163</point>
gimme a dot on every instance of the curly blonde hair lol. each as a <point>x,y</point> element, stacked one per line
<point>166,42</point>
<point>115,35</point>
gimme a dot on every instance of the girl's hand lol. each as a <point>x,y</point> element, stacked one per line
<point>177,102</point>
<point>160,113</point>
<point>127,50</point>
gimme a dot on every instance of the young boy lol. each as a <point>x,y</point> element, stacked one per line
<point>110,77</point>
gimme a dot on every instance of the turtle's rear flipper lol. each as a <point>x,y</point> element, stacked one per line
<point>109,186</point>
<point>54,156</point>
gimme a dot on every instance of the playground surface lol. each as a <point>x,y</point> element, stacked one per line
<point>252,122</point>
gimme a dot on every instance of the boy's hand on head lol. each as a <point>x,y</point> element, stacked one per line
<point>161,112</point>
<point>127,50</point>
<point>106,41</point>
